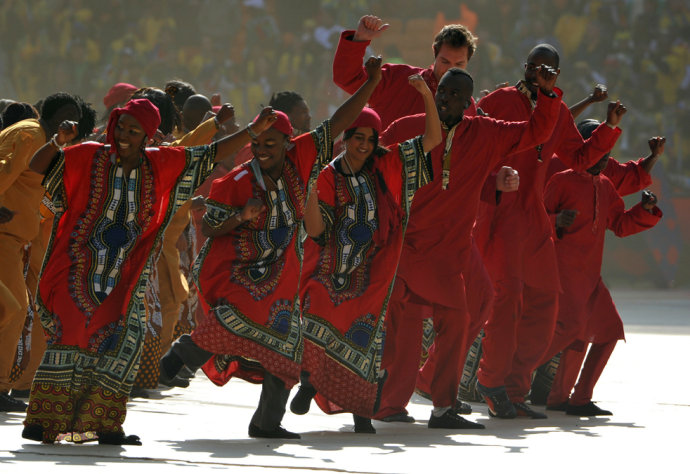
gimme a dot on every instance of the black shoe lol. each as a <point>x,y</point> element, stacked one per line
<point>586,410</point>
<point>497,399</point>
<point>118,438</point>
<point>363,424</point>
<point>302,400</point>
<point>462,408</point>
<point>9,403</point>
<point>560,407</point>
<point>20,393</point>
<point>186,373</point>
<point>138,392</point>
<point>451,420</point>
<point>398,418</point>
<point>525,411</point>
<point>175,381</point>
<point>34,432</point>
<point>280,432</point>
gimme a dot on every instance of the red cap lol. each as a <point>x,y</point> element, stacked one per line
<point>282,124</point>
<point>367,118</point>
<point>118,94</point>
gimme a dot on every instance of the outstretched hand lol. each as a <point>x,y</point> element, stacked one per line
<point>369,27</point>
<point>266,118</point>
<point>418,82</point>
<point>565,218</point>
<point>507,180</point>
<point>649,200</point>
<point>67,131</point>
<point>373,67</point>
<point>656,145</point>
<point>615,112</point>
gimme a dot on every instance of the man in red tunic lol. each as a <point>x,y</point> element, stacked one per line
<point>434,258</point>
<point>453,46</point>
<point>582,206</point>
<point>515,239</point>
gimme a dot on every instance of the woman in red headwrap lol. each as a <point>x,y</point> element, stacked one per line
<point>113,201</point>
<point>357,224</point>
<point>248,271</point>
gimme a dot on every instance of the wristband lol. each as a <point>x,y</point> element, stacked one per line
<point>53,141</point>
<point>251,132</point>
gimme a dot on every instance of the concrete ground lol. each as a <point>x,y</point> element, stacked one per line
<point>204,428</point>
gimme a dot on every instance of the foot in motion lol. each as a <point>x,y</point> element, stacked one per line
<point>9,403</point>
<point>33,432</point>
<point>302,400</point>
<point>401,417</point>
<point>363,425</point>
<point>280,432</point>
<point>451,420</point>
<point>524,410</point>
<point>497,399</point>
<point>118,438</point>
<point>589,409</point>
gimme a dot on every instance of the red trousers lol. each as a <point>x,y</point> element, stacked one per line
<point>479,292</point>
<point>569,368</point>
<point>403,346</point>
<point>517,335</point>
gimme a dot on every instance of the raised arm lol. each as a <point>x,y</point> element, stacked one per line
<point>656,148</point>
<point>599,94</point>
<point>234,143</point>
<point>432,131</point>
<point>44,156</point>
<point>351,108</point>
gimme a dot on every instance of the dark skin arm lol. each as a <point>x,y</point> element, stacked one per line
<point>656,148</point>
<point>351,108</point>
<point>250,212</point>
<point>599,94</point>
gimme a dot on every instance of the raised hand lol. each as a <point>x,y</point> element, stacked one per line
<point>369,27</point>
<point>417,81</point>
<point>67,131</point>
<point>565,218</point>
<point>265,120</point>
<point>226,112</point>
<point>507,180</point>
<point>599,94</point>
<point>615,112</point>
<point>373,67</point>
<point>648,200</point>
<point>656,145</point>
<point>546,78</point>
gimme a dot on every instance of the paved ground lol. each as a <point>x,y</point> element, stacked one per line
<point>204,428</point>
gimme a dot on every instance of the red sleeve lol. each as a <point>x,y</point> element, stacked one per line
<point>326,186</point>
<point>552,198</point>
<point>489,193</point>
<point>580,154</point>
<point>348,64</point>
<point>403,129</point>
<point>634,220</point>
<point>233,189</point>
<point>629,177</point>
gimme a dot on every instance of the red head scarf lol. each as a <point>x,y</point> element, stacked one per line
<point>119,93</point>
<point>367,118</point>
<point>282,124</point>
<point>141,109</point>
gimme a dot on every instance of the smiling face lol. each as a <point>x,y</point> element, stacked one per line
<point>360,145</point>
<point>269,148</point>
<point>129,136</point>
<point>453,96</point>
<point>449,57</point>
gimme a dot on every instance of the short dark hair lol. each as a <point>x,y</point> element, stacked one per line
<point>179,91</point>
<point>16,112</point>
<point>170,115</point>
<point>284,101</point>
<point>455,36</point>
<point>55,102</point>
<point>456,71</point>
<point>587,127</point>
<point>548,49</point>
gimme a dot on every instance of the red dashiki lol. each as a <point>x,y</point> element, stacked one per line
<point>348,276</point>
<point>250,277</point>
<point>91,291</point>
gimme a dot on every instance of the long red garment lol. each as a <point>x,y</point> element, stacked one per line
<point>629,177</point>
<point>393,97</point>
<point>250,277</point>
<point>579,249</point>
<point>347,281</point>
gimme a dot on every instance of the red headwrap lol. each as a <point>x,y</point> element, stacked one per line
<point>141,109</point>
<point>118,94</point>
<point>367,118</point>
<point>282,124</point>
